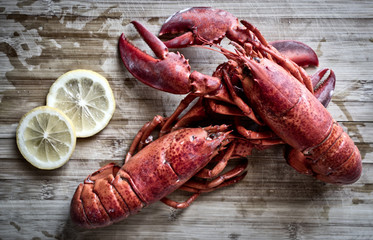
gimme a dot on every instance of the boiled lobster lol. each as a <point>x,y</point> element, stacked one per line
<point>113,193</point>
<point>259,81</point>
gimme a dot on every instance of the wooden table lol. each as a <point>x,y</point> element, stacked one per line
<point>40,40</point>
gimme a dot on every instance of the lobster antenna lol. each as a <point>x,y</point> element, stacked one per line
<point>229,54</point>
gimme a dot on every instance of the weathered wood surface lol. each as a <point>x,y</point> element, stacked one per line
<point>40,40</point>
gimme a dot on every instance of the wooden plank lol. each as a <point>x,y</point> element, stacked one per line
<point>40,40</point>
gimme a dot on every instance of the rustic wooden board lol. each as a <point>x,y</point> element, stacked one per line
<point>40,40</point>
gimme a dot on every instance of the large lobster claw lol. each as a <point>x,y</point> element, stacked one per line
<point>157,73</point>
<point>199,24</point>
<point>207,25</point>
<point>170,73</point>
<point>298,52</point>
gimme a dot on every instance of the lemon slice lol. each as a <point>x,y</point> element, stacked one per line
<point>86,98</point>
<point>46,137</point>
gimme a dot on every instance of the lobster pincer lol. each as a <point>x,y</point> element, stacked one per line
<point>201,25</point>
<point>198,25</point>
<point>170,73</point>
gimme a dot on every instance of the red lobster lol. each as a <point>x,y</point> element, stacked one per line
<point>259,81</point>
<point>113,193</point>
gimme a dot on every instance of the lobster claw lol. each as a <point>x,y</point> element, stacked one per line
<point>170,73</point>
<point>323,83</point>
<point>207,25</point>
<point>199,24</point>
<point>158,73</point>
<point>298,52</point>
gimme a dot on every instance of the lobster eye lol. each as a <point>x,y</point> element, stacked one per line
<point>257,59</point>
<point>211,136</point>
<point>307,152</point>
<point>246,71</point>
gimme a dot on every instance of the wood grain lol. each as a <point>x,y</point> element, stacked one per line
<point>40,40</point>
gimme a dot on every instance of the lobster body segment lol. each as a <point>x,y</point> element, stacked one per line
<point>286,106</point>
<point>170,161</point>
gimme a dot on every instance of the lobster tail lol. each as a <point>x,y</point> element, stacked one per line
<point>77,212</point>
<point>335,160</point>
<point>103,199</point>
<point>349,172</point>
<point>339,160</point>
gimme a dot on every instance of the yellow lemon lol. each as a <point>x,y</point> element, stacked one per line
<point>46,137</point>
<point>86,98</point>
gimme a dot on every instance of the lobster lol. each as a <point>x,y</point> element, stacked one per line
<point>113,193</point>
<point>259,82</point>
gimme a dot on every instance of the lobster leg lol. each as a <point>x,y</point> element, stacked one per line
<point>297,52</point>
<point>157,121</point>
<point>219,167</point>
<point>223,108</point>
<point>214,173</point>
<point>197,188</point>
<point>196,114</point>
<point>180,205</point>
<point>203,189</point>
<point>260,138</point>
<point>219,181</point>
<point>249,134</point>
<point>140,138</point>
<point>229,178</point>
<point>199,112</point>
<point>182,106</point>
<point>239,102</point>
